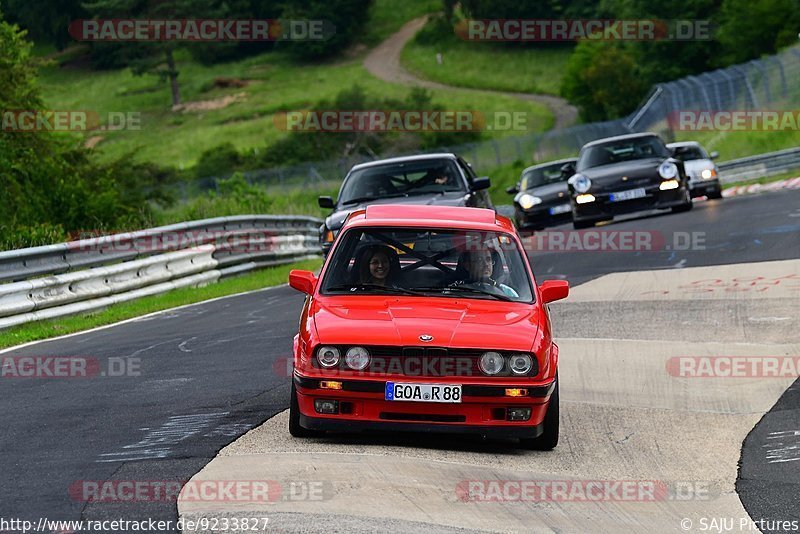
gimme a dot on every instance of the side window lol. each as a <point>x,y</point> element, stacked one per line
<point>467,170</point>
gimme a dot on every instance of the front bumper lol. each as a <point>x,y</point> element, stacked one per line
<point>539,217</point>
<point>603,209</point>
<point>482,410</point>
<point>703,187</point>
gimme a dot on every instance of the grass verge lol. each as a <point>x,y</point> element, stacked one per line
<point>39,330</point>
<point>483,65</point>
<point>766,179</point>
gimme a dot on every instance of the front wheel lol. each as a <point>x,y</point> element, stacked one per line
<point>686,206</point>
<point>549,438</point>
<point>295,429</point>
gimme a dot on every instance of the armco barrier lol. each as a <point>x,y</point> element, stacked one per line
<point>760,165</point>
<point>81,276</point>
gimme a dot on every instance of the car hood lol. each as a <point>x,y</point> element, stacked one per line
<point>637,171</point>
<point>546,192</point>
<point>464,323</point>
<point>457,198</point>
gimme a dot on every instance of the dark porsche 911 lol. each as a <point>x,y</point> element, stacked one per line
<point>433,179</point>
<point>626,174</point>
<point>541,197</point>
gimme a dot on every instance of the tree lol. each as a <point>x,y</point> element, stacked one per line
<point>347,16</point>
<point>751,29</point>
<point>44,23</point>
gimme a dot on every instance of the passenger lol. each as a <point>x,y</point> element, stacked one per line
<point>379,266</point>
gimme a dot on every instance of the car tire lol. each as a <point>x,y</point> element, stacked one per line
<point>686,206</point>
<point>295,429</point>
<point>549,438</point>
<point>579,225</point>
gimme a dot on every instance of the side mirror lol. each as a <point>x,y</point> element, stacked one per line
<point>553,290</point>
<point>567,170</point>
<point>481,183</point>
<point>513,190</point>
<point>326,202</point>
<point>303,281</point>
<point>714,155</point>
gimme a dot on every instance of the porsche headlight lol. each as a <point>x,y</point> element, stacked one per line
<point>529,201</point>
<point>668,170</point>
<point>581,183</point>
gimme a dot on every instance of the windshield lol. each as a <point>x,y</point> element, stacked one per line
<point>539,176</point>
<point>430,262</point>
<point>688,153</point>
<point>623,150</point>
<point>422,177</point>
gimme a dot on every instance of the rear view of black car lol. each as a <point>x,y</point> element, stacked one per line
<point>626,174</point>
<point>541,197</point>
<point>436,179</point>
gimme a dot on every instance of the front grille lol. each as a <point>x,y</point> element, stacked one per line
<point>424,361</point>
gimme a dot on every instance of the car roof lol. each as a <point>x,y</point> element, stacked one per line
<point>405,159</point>
<point>620,138</point>
<point>414,215</point>
<point>549,163</point>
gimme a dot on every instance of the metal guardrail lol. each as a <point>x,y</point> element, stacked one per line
<point>751,167</point>
<point>89,274</point>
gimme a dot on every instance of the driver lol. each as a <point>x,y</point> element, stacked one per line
<point>438,176</point>
<point>479,265</point>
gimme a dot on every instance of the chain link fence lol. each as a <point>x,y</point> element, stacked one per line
<point>770,83</point>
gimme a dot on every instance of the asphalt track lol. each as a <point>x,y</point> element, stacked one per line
<point>208,376</point>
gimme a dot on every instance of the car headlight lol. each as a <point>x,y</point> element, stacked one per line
<point>529,201</point>
<point>580,182</point>
<point>491,363</point>
<point>328,356</point>
<point>707,174</point>
<point>357,358</point>
<point>520,364</point>
<point>668,170</point>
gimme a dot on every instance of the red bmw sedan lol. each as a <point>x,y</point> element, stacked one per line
<point>426,319</point>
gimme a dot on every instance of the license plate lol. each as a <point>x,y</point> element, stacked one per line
<point>563,208</point>
<point>628,195</point>
<point>423,392</point>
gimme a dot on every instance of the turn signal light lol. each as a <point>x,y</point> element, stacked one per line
<point>330,384</point>
<point>516,392</point>
<point>329,237</point>
<point>584,199</point>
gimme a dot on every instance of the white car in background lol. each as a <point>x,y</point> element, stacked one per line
<point>700,168</point>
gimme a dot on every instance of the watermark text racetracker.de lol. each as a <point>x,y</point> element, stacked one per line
<point>540,30</point>
<point>596,490</point>
<point>51,367</point>
<point>743,120</point>
<point>43,120</point>
<point>607,240</point>
<point>408,120</point>
<point>210,30</point>
<point>203,524</point>
<point>734,366</point>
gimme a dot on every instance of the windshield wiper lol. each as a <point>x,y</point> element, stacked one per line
<point>467,289</point>
<point>361,287</point>
<point>365,199</point>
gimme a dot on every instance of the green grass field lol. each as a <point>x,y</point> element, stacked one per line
<point>733,145</point>
<point>275,84</point>
<point>484,65</point>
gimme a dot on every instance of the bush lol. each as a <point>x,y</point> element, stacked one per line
<point>221,160</point>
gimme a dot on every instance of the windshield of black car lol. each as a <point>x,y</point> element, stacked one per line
<point>429,261</point>
<point>691,152</point>
<point>624,150</point>
<point>423,177</point>
<point>541,176</point>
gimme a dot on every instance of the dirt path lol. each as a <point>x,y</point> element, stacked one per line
<point>384,62</point>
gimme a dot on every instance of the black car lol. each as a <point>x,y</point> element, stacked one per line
<point>541,197</point>
<point>436,179</point>
<point>626,174</point>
